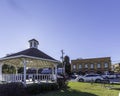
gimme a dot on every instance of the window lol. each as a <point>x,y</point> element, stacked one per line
<point>30,44</point>
<point>88,75</point>
<point>98,65</point>
<point>91,66</point>
<point>35,45</point>
<point>86,66</point>
<point>106,65</point>
<point>74,66</point>
<point>80,66</point>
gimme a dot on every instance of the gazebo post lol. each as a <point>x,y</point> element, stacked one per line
<point>1,71</point>
<point>17,76</point>
<point>37,74</point>
<point>52,71</point>
<point>24,64</point>
<point>55,72</point>
<point>16,68</point>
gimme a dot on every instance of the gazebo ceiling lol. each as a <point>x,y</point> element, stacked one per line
<point>31,61</point>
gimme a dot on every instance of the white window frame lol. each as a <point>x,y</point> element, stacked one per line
<point>80,66</point>
<point>91,66</point>
<point>98,65</point>
<point>86,65</point>
<point>74,66</point>
<point>106,65</point>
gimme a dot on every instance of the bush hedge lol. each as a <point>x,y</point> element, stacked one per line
<point>12,89</point>
<point>62,82</point>
<point>18,89</point>
<point>42,87</point>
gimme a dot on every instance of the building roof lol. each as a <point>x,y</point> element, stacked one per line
<point>33,40</point>
<point>93,59</point>
<point>34,52</point>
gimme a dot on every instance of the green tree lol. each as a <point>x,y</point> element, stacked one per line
<point>67,65</point>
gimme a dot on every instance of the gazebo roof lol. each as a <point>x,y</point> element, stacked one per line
<point>34,52</point>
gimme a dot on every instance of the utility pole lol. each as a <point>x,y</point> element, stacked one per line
<point>62,57</point>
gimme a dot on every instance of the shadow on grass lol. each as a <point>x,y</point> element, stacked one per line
<point>116,89</point>
<point>114,86</point>
<point>66,92</point>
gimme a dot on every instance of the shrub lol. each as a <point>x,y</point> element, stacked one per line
<point>12,89</point>
<point>39,88</point>
<point>18,89</point>
<point>61,82</point>
<point>33,88</point>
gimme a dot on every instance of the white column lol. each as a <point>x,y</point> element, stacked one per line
<point>37,77</point>
<point>55,72</point>
<point>52,70</point>
<point>16,75</point>
<point>16,70</point>
<point>24,64</point>
<point>1,71</point>
<point>52,76</point>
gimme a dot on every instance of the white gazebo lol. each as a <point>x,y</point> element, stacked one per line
<point>29,58</point>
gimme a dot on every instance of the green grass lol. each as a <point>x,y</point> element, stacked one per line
<point>84,89</point>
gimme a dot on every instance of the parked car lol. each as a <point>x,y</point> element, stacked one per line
<point>89,78</point>
<point>49,71</point>
<point>46,71</point>
<point>60,71</point>
<point>117,75</point>
<point>109,76</point>
<point>74,76</point>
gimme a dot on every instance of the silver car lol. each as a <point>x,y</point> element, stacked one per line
<point>90,77</point>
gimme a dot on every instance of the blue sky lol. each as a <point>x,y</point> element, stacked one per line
<point>82,28</point>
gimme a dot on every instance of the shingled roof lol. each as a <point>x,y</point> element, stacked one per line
<point>34,52</point>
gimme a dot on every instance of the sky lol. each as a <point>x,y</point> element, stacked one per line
<point>82,28</point>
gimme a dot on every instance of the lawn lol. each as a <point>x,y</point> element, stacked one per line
<point>84,89</point>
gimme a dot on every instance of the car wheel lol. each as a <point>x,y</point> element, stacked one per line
<point>97,80</point>
<point>81,80</point>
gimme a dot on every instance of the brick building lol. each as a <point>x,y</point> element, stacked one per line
<point>91,65</point>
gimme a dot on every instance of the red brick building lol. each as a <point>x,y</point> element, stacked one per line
<point>91,65</point>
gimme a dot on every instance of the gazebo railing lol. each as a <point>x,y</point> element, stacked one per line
<point>29,77</point>
<point>12,77</point>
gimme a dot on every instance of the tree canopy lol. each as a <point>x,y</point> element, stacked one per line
<point>67,65</point>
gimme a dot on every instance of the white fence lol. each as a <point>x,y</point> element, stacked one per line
<point>29,77</point>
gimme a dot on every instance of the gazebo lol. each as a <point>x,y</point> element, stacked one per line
<point>29,58</point>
